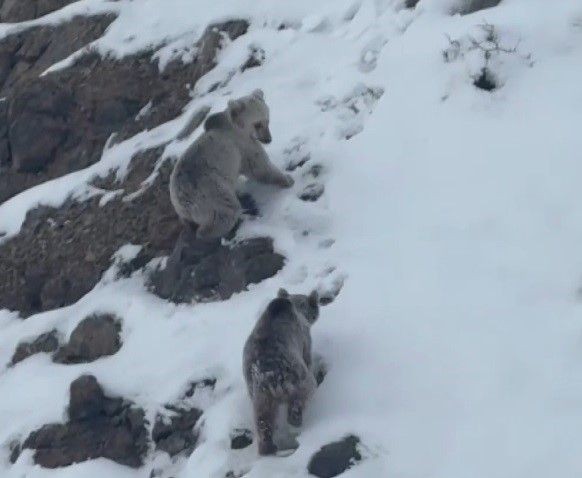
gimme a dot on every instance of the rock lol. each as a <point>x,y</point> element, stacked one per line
<point>87,398</point>
<point>4,151</point>
<point>411,3</point>
<point>464,7</point>
<point>47,342</point>
<point>13,11</point>
<point>335,458</point>
<point>38,124</point>
<point>23,57</point>
<point>46,265</point>
<point>99,427</point>
<point>27,54</point>
<point>176,434</point>
<point>241,438</point>
<point>312,192</point>
<point>206,270</point>
<point>96,336</point>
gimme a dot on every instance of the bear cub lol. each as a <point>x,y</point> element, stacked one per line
<point>277,363</point>
<point>203,181</point>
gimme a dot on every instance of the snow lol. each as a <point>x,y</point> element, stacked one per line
<point>454,348</point>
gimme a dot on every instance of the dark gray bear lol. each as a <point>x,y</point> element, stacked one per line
<point>277,363</point>
<point>203,182</point>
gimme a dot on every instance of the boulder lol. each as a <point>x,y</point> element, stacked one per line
<point>38,117</point>
<point>47,342</point>
<point>335,458</point>
<point>201,270</point>
<point>98,427</point>
<point>96,336</point>
<point>176,434</point>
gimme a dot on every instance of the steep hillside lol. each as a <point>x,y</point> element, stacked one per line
<point>435,147</point>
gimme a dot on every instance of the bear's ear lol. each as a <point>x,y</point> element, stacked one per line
<point>236,108</point>
<point>283,294</point>
<point>258,93</point>
<point>313,299</point>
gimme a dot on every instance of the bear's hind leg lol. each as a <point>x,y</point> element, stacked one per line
<point>220,224</point>
<point>265,409</point>
<point>299,398</point>
<point>222,214</point>
<point>295,411</point>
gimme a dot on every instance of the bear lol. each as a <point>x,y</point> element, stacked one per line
<point>203,181</point>
<point>277,363</point>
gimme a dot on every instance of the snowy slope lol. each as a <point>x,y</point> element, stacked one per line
<point>451,215</point>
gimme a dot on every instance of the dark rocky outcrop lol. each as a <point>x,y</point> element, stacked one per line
<point>27,54</point>
<point>12,11</point>
<point>335,458</point>
<point>96,336</point>
<point>176,434</point>
<point>98,426</point>
<point>206,270</point>
<point>23,57</point>
<point>60,254</point>
<point>47,342</point>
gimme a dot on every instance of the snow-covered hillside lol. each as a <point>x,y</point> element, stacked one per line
<point>449,151</point>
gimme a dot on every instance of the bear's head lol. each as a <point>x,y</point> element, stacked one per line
<point>251,114</point>
<point>307,305</point>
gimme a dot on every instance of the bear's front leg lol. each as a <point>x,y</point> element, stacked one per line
<point>258,167</point>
